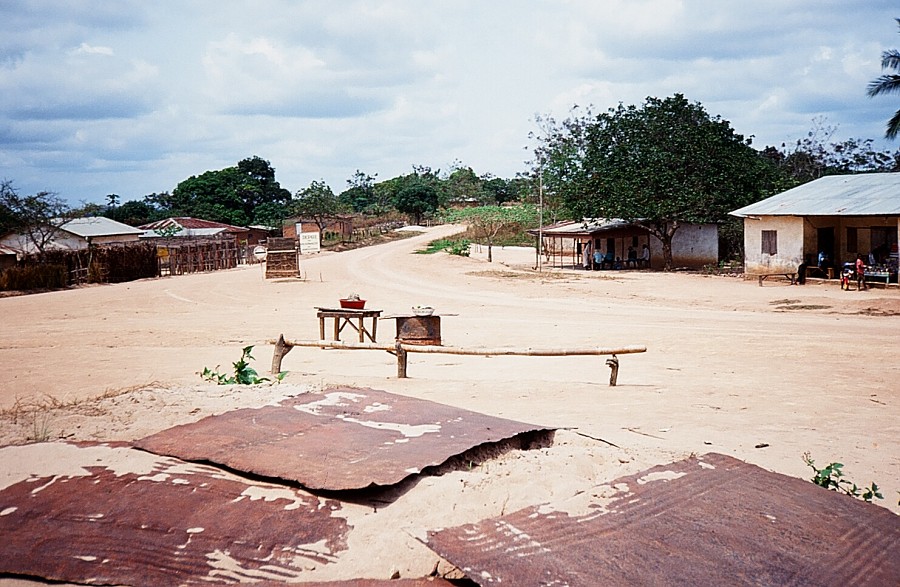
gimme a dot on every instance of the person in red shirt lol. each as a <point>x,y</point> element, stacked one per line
<point>860,273</point>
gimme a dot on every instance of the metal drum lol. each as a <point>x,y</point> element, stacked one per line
<point>419,329</point>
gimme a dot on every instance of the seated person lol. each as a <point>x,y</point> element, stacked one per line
<point>618,263</point>
<point>607,262</point>
<point>645,256</point>
<point>632,257</point>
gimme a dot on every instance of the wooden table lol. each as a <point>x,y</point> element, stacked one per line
<point>343,317</point>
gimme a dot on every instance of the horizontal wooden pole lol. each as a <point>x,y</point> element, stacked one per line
<point>449,350</point>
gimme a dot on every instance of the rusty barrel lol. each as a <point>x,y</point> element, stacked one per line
<point>425,330</point>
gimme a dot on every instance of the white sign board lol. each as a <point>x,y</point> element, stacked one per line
<point>259,252</point>
<point>309,242</point>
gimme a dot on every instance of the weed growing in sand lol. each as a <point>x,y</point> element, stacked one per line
<point>244,374</point>
<point>40,427</point>
<point>832,477</point>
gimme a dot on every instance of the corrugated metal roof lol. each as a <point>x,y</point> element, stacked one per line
<point>581,227</point>
<point>98,226</point>
<point>867,194</point>
<point>338,439</point>
<point>118,516</point>
<point>711,520</point>
<point>188,223</point>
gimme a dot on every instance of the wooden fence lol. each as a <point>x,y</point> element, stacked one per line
<point>197,256</point>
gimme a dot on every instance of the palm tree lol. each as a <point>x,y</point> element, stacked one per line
<point>889,84</point>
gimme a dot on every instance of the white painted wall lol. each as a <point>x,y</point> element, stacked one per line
<point>790,237</point>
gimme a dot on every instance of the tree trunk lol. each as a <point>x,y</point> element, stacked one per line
<point>490,257</point>
<point>664,233</point>
<point>667,252</point>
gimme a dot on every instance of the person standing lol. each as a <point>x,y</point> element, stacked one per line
<point>645,256</point>
<point>586,256</point>
<point>860,273</point>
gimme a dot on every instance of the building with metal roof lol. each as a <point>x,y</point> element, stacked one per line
<point>835,218</point>
<point>693,245</point>
<point>75,234</point>
<point>187,227</point>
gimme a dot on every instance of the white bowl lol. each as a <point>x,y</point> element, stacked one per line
<point>423,310</point>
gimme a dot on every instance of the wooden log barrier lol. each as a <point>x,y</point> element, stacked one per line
<point>401,350</point>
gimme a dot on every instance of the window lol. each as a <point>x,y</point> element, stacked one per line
<point>852,241</point>
<point>770,242</point>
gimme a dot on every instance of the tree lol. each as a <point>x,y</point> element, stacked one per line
<point>360,193</point>
<point>813,156</point>
<point>487,221</point>
<point>658,166</point>
<point>417,198</point>
<point>317,203</point>
<point>463,186</point>
<point>136,212</point>
<point>229,195</point>
<point>38,217</point>
<point>888,84</point>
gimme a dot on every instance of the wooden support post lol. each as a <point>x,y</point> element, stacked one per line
<point>613,364</point>
<point>281,349</point>
<point>401,360</point>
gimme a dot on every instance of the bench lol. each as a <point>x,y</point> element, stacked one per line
<point>792,277</point>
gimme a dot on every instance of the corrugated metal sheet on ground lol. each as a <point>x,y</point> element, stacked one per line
<point>113,515</point>
<point>708,521</point>
<point>338,439</point>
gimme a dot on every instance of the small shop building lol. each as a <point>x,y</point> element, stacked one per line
<point>693,246</point>
<point>824,224</point>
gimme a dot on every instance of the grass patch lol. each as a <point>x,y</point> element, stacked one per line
<point>454,246</point>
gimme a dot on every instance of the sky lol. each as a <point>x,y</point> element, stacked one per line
<point>131,97</point>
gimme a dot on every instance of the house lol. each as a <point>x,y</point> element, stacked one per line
<point>74,234</point>
<point>693,245</point>
<point>839,216</point>
<point>196,228</point>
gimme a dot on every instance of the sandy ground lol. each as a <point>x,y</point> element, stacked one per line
<point>760,373</point>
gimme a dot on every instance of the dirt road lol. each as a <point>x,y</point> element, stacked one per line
<point>760,373</point>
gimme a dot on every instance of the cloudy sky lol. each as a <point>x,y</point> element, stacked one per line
<point>132,96</point>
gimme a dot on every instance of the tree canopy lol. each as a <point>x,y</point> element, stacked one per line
<point>659,165</point>
<point>229,195</point>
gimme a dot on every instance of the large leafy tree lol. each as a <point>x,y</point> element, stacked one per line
<point>229,195</point>
<point>660,165</point>
<point>487,221</point>
<point>418,194</point>
<point>888,84</point>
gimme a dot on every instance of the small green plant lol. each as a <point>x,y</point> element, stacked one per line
<point>244,374</point>
<point>460,248</point>
<point>832,477</point>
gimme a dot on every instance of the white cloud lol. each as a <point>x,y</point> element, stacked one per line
<point>92,50</point>
<point>142,95</point>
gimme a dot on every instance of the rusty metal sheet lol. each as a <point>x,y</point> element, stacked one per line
<point>338,439</point>
<point>712,520</point>
<point>111,515</point>
<point>424,582</point>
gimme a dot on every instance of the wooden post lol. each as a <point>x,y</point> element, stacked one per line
<point>281,349</point>
<point>401,360</point>
<point>613,364</point>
